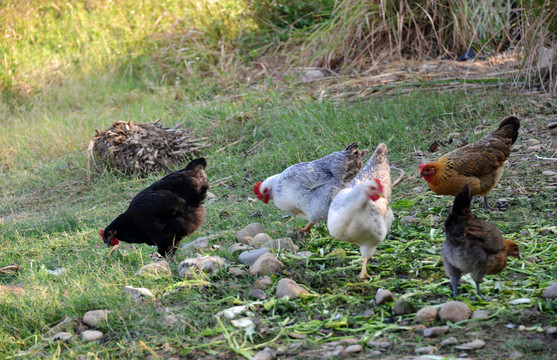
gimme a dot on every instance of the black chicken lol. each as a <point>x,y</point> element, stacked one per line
<point>165,212</point>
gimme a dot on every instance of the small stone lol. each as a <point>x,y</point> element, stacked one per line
<point>551,331</point>
<point>285,244</point>
<point>267,264</point>
<point>462,355</point>
<point>419,328</point>
<point>417,189</point>
<point>246,234</point>
<point>375,354</point>
<point>295,335</point>
<point>63,326</point>
<point>476,344</point>
<point>480,314</point>
<point>263,282</point>
<point>265,354</point>
<point>349,341</point>
<point>62,336</point>
<point>138,293</point>
<point>237,272</point>
<point>312,75</point>
<point>437,330</point>
<point>281,350</point>
<point>454,311</point>
<point>383,296</point>
<point>377,344</point>
<point>516,355</point>
<point>304,254</point>
<point>199,243</point>
<point>160,268</point>
<point>426,314</point>
<point>95,317</point>
<point>237,247</point>
<point>354,348</point>
<point>289,288</point>
<point>448,342</point>
<point>546,232</point>
<point>534,148</point>
<point>550,292</point>
<point>425,350</point>
<point>206,263</point>
<point>91,335</point>
<point>260,239</point>
<point>258,294</point>
<point>436,220</point>
<point>249,257</point>
<point>531,142</point>
<point>410,219</point>
<point>520,301</point>
<point>522,328</point>
<point>403,307</point>
<point>367,313</point>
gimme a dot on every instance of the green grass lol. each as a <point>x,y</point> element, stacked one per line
<point>50,216</point>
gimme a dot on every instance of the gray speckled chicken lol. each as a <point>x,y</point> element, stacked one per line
<point>307,189</point>
<point>360,213</point>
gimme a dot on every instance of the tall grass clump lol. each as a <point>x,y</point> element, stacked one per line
<point>362,33</point>
<point>540,44</point>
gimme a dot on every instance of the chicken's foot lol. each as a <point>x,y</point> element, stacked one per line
<point>363,273</point>
<point>454,284</point>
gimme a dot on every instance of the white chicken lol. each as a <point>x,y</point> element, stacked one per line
<point>307,189</point>
<point>360,213</point>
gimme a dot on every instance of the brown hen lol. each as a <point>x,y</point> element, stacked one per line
<point>479,165</point>
<point>473,245</point>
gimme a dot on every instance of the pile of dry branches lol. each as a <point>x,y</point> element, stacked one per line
<point>135,148</point>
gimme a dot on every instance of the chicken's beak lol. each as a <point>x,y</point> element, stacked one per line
<point>381,195</point>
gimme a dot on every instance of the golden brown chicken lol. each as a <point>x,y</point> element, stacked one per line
<point>480,165</point>
<point>473,245</point>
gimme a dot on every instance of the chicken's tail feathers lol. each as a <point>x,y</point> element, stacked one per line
<point>196,163</point>
<point>508,128</point>
<point>353,147</point>
<point>462,201</point>
<point>376,167</point>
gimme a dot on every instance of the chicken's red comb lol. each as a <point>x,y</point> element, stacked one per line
<point>422,166</point>
<point>101,232</point>
<point>257,191</point>
<point>379,185</point>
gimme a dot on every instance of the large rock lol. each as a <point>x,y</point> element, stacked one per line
<point>437,330</point>
<point>206,263</point>
<point>550,292</point>
<point>199,243</point>
<point>285,244</point>
<point>267,264</point>
<point>138,293</point>
<point>260,239</point>
<point>454,311</point>
<point>265,354</point>
<point>160,268</point>
<point>95,317</point>
<point>249,257</point>
<point>246,234</point>
<point>288,287</point>
<point>426,314</point>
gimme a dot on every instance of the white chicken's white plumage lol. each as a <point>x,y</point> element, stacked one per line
<point>307,189</point>
<point>360,213</point>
